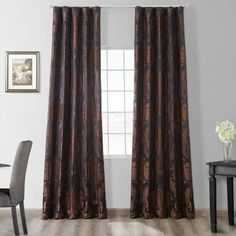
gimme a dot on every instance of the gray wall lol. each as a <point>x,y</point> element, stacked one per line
<point>211,54</point>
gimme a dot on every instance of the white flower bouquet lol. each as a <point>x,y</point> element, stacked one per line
<point>226,131</point>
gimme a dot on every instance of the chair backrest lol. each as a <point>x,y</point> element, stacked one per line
<point>17,184</point>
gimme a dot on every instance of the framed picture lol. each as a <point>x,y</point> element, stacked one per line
<point>22,71</point>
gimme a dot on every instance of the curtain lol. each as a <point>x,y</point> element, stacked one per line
<point>161,162</point>
<point>74,169</point>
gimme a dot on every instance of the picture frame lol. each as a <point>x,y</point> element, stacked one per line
<point>22,71</point>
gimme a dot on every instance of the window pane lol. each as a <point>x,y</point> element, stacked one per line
<point>103,59</point>
<point>117,144</point>
<point>104,122</point>
<point>115,80</point>
<point>104,80</point>
<point>115,59</point>
<point>116,123</point>
<point>129,138</point>
<point>129,97</point>
<point>129,80</point>
<point>116,101</point>
<point>129,122</point>
<point>105,144</point>
<point>129,59</point>
<point>104,101</point>
<point>114,120</point>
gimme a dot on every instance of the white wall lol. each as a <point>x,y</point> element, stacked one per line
<point>211,54</point>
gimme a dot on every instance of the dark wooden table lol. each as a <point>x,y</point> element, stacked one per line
<point>228,170</point>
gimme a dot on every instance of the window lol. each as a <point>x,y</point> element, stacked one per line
<point>117,77</point>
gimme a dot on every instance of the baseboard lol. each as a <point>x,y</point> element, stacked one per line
<point>206,212</point>
<point>199,211</point>
<point>126,211</point>
<point>118,211</point>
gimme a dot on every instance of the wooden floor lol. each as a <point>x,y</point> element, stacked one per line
<point>118,224</point>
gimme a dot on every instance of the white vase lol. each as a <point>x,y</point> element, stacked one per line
<point>227,151</point>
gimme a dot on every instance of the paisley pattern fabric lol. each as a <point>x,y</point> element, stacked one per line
<point>161,162</point>
<point>74,170</point>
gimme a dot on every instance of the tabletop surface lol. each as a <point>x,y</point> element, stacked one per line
<point>4,165</point>
<point>222,163</point>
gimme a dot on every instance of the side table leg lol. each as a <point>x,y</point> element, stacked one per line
<point>230,193</point>
<point>212,182</point>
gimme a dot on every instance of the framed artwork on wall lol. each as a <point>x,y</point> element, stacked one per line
<point>22,71</point>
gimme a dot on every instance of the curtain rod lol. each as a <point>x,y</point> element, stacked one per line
<point>185,6</point>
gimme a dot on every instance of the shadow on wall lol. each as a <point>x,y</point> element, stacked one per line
<point>195,120</point>
<point>118,181</point>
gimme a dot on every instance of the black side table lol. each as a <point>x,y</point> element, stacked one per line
<point>227,169</point>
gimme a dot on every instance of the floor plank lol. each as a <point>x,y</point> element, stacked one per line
<point>118,224</point>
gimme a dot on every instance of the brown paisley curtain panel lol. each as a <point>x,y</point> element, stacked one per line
<point>161,162</point>
<point>74,170</point>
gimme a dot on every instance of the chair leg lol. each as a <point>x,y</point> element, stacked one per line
<point>14,219</point>
<point>22,213</point>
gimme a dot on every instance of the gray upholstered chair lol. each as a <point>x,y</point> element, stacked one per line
<point>15,194</point>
